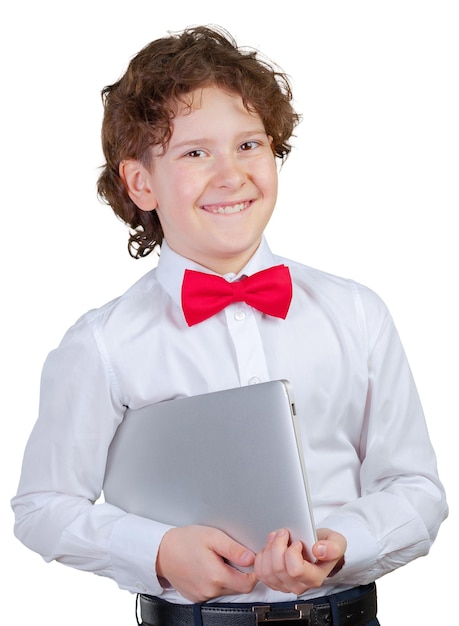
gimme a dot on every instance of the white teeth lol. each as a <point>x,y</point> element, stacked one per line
<point>226,210</point>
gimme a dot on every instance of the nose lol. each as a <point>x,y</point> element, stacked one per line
<point>229,172</point>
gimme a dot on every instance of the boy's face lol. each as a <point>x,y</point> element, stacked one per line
<point>215,187</point>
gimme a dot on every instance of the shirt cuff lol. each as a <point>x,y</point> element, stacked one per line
<point>134,547</point>
<point>362,550</point>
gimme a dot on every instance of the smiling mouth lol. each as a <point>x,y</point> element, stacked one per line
<point>226,209</point>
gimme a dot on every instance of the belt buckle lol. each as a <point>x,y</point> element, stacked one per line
<point>266,614</point>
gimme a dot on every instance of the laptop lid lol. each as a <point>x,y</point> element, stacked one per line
<point>229,459</point>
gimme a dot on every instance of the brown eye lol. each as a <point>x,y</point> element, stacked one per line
<point>248,145</point>
<point>194,153</point>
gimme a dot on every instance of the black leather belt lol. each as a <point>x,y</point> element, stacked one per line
<point>313,612</point>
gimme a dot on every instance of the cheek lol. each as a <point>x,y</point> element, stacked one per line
<point>187,185</point>
<point>268,179</point>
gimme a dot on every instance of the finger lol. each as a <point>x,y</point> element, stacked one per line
<point>263,567</point>
<point>303,575</point>
<point>270,562</point>
<point>295,563</point>
<point>278,549</point>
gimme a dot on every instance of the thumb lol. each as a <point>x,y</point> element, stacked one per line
<point>331,545</point>
<point>326,551</point>
<point>234,552</point>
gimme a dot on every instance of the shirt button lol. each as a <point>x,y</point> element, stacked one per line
<point>254,380</point>
<point>239,316</point>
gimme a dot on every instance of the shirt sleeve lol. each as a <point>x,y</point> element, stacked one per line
<point>58,507</point>
<point>402,501</point>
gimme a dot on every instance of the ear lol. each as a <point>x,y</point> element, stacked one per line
<point>136,179</point>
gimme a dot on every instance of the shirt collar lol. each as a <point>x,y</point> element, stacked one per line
<point>171,268</point>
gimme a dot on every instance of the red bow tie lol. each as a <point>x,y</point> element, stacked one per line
<point>204,295</point>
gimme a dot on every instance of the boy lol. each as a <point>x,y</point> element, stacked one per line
<point>191,133</point>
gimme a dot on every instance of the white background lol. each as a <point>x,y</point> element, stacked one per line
<point>370,192</point>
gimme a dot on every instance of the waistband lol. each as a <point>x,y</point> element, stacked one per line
<point>355,607</point>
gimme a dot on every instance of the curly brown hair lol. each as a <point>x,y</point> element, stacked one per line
<point>140,106</point>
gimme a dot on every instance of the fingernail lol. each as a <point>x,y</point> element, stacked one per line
<point>321,550</point>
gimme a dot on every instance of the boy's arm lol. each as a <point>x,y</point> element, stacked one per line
<point>99,538</point>
<point>402,502</point>
<point>63,472</point>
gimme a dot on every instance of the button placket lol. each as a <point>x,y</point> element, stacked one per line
<point>245,335</point>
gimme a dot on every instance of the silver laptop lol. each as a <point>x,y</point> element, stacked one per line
<point>229,459</point>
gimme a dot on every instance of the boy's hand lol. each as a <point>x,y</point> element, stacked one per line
<point>194,560</point>
<point>281,565</point>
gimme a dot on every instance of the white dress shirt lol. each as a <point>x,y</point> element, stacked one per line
<point>372,471</point>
